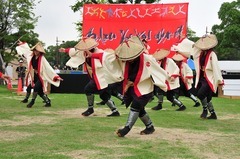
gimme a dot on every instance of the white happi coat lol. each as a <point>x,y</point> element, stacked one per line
<point>186,74</point>
<point>76,58</point>
<point>212,72</point>
<point>113,71</point>
<point>148,75</point>
<point>45,71</point>
<point>172,71</point>
<point>105,68</point>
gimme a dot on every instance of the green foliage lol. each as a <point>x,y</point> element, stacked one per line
<point>17,21</point>
<point>53,55</point>
<point>228,32</point>
<point>191,35</point>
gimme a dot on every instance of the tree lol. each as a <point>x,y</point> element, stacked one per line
<point>191,34</point>
<point>228,32</point>
<point>17,21</point>
<point>53,55</point>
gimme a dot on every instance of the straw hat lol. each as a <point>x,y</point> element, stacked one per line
<point>178,57</point>
<point>207,42</point>
<point>160,54</point>
<point>137,40</point>
<point>38,47</point>
<point>185,47</point>
<point>130,49</point>
<point>86,44</point>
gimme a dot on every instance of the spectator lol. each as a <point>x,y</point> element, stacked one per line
<point>21,71</point>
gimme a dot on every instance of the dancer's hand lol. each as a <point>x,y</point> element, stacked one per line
<point>87,54</point>
<point>129,84</point>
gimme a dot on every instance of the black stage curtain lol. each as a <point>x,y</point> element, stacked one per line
<point>72,83</point>
<point>75,83</point>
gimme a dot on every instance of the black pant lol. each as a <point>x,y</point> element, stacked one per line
<point>204,90</point>
<point>169,94</point>
<point>37,86</point>
<point>91,88</point>
<point>115,88</point>
<point>183,89</point>
<point>138,103</point>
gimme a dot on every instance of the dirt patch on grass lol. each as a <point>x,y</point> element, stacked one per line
<point>173,135</point>
<point>27,120</point>
<point>13,136</point>
<point>73,113</point>
<point>202,144</point>
<point>95,154</point>
<point>79,154</point>
<point>229,117</point>
<point>77,113</point>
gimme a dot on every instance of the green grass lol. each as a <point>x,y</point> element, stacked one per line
<point>60,132</point>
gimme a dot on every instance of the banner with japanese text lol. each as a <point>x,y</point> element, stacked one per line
<point>160,24</point>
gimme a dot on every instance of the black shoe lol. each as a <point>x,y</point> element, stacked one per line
<point>158,107</point>
<point>181,108</point>
<point>88,112</point>
<point>197,104</point>
<point>123,132</point>
<point>24,100</point>
<point>30,104</point>
<point>47,105</point>
<point>114,114</point>
<point>147,131</point>
<point>101,103</point>
<point>212,116</point>
<point>204,114</point>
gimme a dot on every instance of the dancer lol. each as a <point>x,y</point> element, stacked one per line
<point>141,72</point>
<point>172,81</point>
<point>186,78</point>
<point>39,72</point>
<point>208,73</point>
<point>102,68</point>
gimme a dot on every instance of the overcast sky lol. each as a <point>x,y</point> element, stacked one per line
<point>57,18</point>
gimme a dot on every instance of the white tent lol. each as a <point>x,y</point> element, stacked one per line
<point>232,86</point>
<point>230,66</point>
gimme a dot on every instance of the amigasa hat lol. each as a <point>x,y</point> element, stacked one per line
<point>38,47</point>
<point>178,57</point>
<point>129,49</point>
<point>185,47</point>
<point>207,42</point>
<point>86,44</point>
<point>161,53</point>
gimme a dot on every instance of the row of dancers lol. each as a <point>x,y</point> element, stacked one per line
<point>139,74</point>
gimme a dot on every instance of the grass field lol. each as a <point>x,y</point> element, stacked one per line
<point>60,132</point>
